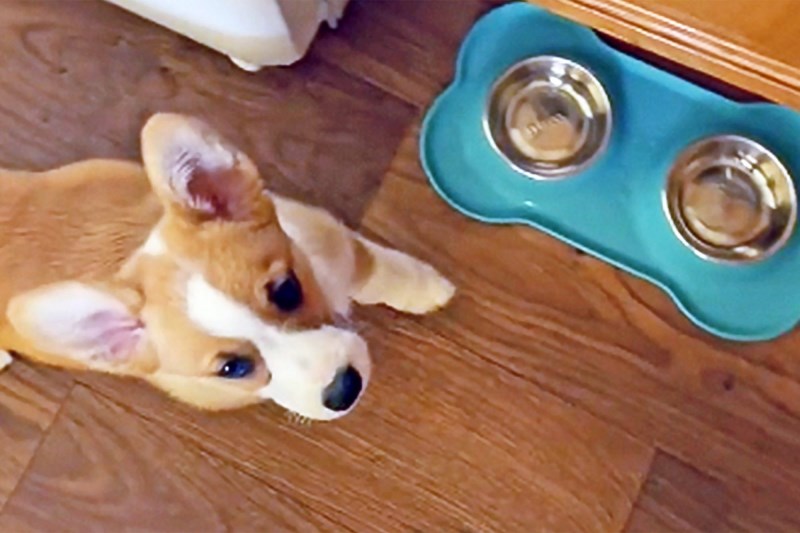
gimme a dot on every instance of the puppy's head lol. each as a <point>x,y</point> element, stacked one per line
<point>218,308</point>
<point>244,278</point>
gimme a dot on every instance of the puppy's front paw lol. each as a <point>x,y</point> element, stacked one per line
<point>5,360</point>
<point>422,290</point>
<point>404,283</point>
<point>433,291</point>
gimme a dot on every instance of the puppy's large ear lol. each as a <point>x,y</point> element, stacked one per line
<point>199,175</point>
<point>94,326</point>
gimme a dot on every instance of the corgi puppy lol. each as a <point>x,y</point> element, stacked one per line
<point>189,274</point>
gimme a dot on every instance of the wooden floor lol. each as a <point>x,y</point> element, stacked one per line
<point>556,393</point>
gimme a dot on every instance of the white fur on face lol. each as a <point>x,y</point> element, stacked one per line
<point>301,363</point>
<point>154,245</point>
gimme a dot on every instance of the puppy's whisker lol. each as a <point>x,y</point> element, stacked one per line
<point>298,419</point>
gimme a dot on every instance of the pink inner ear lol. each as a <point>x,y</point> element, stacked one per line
<point>219,193</point>
<point>113,337</point>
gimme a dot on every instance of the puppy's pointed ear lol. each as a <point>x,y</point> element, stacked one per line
<point>95,326</point>
<point>199,175</point>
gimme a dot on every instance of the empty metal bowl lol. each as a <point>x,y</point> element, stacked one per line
<point>730,200</point>
<point>548,117</point>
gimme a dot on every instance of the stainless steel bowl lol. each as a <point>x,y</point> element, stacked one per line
<point>730,200</point>
<point>548,117</point>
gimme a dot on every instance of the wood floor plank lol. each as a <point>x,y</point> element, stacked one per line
<point>444,441</point>
<point>102,468</point>
<point>593,336</point>
<point>30,398</point>
<point>678,497</point>
<point>79,78</point>
<point>406,47</point>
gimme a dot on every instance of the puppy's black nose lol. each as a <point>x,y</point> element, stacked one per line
<point>343,391</point>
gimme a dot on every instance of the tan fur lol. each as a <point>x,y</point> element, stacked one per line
<point>88,222</point>
<point>240,257</point>
<point>83,221</point>
<point>80,222</point>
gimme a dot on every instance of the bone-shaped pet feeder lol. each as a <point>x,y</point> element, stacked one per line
<point>546,125</point>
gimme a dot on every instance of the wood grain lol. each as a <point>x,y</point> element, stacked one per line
<point>405,47</point>
<point>30,398</point>
<point>79,78</point>
<point>442,442</point>
<point>749,43</point>
<point>607,343</point>
<point>102,468</point>
<point>677,497</point>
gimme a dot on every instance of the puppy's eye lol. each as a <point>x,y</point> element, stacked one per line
<point>285,293</point>
<point>236,367</point>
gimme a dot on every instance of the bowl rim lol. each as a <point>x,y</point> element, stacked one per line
<point>686,236</point>
<point>569,170</point>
